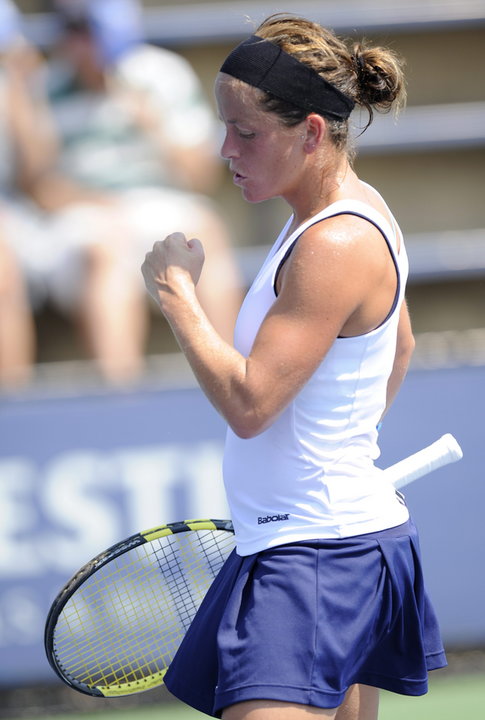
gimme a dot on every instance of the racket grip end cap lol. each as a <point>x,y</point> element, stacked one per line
<point>453,446</point>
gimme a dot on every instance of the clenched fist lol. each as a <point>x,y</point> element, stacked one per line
<point>171,265</point>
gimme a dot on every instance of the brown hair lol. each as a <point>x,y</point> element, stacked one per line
<point>371,76</point>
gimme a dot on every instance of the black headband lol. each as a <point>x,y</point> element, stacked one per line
<point>264,65</point>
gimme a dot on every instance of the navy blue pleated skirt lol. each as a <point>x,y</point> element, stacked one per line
<point>302,622</point>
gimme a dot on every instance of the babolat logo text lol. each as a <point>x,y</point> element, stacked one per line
<point>273,518</point>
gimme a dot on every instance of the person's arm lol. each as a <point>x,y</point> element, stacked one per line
<point>324,285</point>
<point>194,167</point>
<point>35,139</point>
<point>30,130</point>
<point>168,105</point>
<point>404,350</point>
<point>52,190</point>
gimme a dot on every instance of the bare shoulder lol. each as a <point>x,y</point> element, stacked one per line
<point>343,244</point>
<point>345,232</point>
<point>340,270</point>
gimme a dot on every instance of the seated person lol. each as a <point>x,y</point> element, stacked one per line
<point>132,158</point>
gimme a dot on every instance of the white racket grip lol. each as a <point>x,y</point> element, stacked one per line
<point>443,451</point>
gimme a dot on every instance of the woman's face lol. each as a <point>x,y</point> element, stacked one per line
<point>265,156</point>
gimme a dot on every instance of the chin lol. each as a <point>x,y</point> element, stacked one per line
<point>254,198</point>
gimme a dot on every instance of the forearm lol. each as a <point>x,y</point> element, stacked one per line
<point>404,350</point>
<point>195,169</point>
<point>221,371</point>
<point>32,138</point>
<point>250,392</point>
<point>171,272</point>
<point>198,169</point>
<point>53,191</point>
<point>399,371</point>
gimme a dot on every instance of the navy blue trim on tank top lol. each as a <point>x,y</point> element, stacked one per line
<point>364,217</point>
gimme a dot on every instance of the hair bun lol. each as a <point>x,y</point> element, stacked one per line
<point>380,79</point>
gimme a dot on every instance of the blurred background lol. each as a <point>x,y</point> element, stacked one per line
<point>109,141</point>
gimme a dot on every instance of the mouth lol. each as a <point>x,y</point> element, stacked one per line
<point>238,178</point>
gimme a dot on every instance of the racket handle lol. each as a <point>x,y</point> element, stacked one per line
<point>443,451</point>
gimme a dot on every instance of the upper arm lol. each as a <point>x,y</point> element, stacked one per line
<point>327,280</point>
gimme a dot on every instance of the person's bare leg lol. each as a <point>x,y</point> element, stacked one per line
<point>275,710</point>
<point>361,703</point>
<point>114,313</point>
<point>17,334</point>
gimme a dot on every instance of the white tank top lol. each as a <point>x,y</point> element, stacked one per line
<point>311,474</point>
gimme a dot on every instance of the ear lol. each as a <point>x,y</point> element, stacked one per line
<point>314,132</point>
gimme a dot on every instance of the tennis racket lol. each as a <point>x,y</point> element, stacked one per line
<point>443,451</point>
<point>115,627</point>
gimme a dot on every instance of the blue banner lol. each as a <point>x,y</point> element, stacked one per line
<point>79,473</point>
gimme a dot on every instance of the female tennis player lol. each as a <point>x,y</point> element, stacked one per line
<point>323,601</point>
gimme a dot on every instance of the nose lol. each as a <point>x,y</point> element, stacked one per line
<point>228,149</point>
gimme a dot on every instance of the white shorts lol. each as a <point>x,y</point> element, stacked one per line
<point>52,248</point>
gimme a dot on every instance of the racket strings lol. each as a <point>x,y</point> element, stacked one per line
<point>190,571</point>
<point>103,633</point>
<point>127,620</point>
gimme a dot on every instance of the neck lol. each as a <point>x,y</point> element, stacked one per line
<point>321,185</point>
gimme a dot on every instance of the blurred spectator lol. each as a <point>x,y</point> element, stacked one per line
<point>136,135</point>
<point>16,326</point>
<point>123,155</point>
<point>33,252</point>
